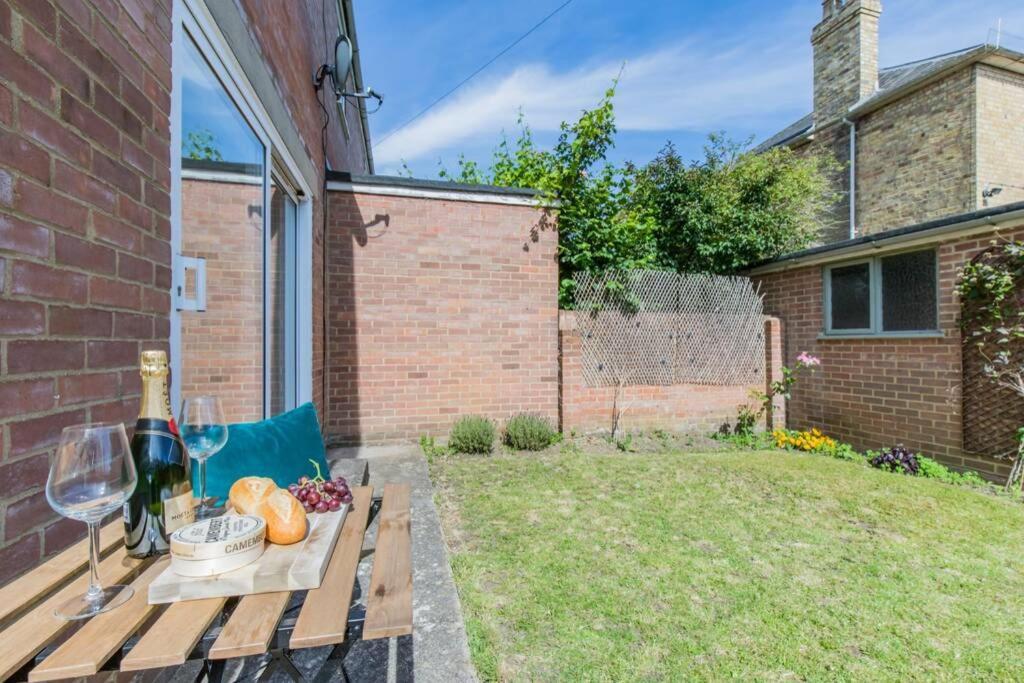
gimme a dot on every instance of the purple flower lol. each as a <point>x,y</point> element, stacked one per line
<point>808,360</point>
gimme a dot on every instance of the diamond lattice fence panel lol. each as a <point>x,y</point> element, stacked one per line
<point>659,328</point>
<point>991,414</point>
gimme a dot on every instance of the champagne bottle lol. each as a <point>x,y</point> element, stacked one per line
<point>162,501</point>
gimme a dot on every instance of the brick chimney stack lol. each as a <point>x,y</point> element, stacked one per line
<point>845,56</point>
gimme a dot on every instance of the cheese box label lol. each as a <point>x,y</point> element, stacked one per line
<point>219,537</point>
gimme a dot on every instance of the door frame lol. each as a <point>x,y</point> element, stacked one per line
<point>192,19</point>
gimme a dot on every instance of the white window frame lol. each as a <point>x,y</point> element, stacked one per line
<point>875,298</point>
<point>193,20</point>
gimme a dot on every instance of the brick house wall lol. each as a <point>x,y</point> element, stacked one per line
<point>1000,135</point>
<point>438,308</point>
<point>85,258</point>
<point>876,392</point>
<point>931,133</point>
<point>677,407</point>
<point>291,39</point>
<point>84,229</point>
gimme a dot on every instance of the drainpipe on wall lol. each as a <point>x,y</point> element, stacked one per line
<point>853,176</point>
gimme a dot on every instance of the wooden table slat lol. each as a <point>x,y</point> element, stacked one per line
<point>389,603</point>
<point>37,583</point>
<point>35,630</point>
<point>85,652</point>
<point>251,626</point>
<point>172,638</point>
<point>324,614</point>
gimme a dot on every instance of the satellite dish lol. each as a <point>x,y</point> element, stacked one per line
<point>339,73</point>
<point>342,64</point>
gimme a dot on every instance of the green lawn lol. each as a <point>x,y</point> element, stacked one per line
<point>747,565</point>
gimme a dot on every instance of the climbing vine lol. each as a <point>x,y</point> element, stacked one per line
<point>991,289</point>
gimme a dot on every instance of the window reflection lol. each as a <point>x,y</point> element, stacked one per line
<point>222,191</point>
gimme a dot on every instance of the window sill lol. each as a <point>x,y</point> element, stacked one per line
<point>872,336</point>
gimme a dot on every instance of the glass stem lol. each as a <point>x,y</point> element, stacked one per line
<point>202,484</point>
<point>95,591</point>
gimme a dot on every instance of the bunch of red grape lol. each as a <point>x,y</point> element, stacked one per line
<point>320,495</point>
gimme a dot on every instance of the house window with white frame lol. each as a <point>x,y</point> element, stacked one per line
<point>890,295</point>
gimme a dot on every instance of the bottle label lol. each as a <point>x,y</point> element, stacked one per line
<point>178,512</point>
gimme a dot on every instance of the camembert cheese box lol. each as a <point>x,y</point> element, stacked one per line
<point>217,545</point>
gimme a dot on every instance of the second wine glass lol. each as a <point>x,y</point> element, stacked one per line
<point>204,432</point>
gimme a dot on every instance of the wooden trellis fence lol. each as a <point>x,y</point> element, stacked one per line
<point>662,328</point>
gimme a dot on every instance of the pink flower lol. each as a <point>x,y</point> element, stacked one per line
<point>808,360</point>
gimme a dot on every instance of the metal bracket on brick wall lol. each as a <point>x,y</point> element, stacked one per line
<point>660,328</point>
<point>182,300</point>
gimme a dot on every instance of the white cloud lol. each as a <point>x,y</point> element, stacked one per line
<point>689,86</point>
<point>760,73</point>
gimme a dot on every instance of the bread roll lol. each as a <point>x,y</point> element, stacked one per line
<point>285,518</point>
<point>248,493</point>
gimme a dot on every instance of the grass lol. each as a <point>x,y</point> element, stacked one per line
<point>743,565</point>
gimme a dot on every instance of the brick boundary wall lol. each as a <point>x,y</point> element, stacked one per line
<point>877,392</point>
<point>678,408</point>
<point>437,308</point>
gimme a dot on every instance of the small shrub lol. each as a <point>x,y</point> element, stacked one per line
<point>526,432</point>
<point>933,469</point>
<point>899,459</point>
<point>746,420</point>
<point>625,443</point>
<point>431,449</point>
<point>472,434</point>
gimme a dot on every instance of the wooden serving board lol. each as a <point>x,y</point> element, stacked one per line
<point>299,566</point>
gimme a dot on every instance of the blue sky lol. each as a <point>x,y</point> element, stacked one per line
<point>691,68</point>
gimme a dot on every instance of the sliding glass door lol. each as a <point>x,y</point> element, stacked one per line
<point>236,296</point>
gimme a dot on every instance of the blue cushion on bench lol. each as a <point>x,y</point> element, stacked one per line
<point>280,448</point>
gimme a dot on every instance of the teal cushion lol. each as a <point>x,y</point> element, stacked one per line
<point>280,448</point>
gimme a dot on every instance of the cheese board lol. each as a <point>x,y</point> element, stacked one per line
<point>299,566</point>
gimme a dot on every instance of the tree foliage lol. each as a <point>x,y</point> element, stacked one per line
<point>200,145</point>
<point>733,208</point>
<point>991,289</point>
<point>597,224</point>
<point>718,215</point>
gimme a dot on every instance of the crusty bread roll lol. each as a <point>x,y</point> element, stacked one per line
<point>248,493</point>
<point>285,518</point>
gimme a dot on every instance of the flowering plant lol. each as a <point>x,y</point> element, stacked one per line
<point>811,441</point>
<point>780,387</point>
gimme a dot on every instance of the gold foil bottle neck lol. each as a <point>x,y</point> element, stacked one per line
<point>154,364</point>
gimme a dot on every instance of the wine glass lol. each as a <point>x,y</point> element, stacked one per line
<point>204,431</point>
<point>92,475</point>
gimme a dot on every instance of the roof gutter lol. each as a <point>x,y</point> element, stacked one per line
<point>917,235</point>
<point>345,7</point>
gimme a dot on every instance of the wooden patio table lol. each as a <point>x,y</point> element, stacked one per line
<point>138,636</point>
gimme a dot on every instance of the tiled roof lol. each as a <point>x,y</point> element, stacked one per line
<point>890,80</point>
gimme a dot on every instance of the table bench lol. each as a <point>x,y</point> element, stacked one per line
<point>138,636</point>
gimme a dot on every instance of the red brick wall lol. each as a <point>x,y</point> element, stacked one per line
<point>437,309</point>
<point>876,392</point>
<point>679,407</point>
<point>84,229</point>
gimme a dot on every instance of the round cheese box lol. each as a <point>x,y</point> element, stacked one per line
<point>217,545</point>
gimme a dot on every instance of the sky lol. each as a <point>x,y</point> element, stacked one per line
<point>688,68</point>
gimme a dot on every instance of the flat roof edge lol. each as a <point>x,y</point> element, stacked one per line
<point>421,184</point>
<point>940,226</point>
